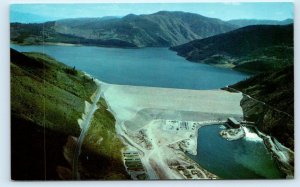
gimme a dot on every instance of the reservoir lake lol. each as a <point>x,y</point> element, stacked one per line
<point>155,67</point>
<point>161,67</point>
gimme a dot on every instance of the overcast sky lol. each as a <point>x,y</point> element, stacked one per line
<point>225,11</point>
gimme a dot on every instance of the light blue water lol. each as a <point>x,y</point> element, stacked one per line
<point>239,159</point>
<point>156,67</point>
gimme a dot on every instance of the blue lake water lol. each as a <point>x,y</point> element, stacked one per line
<point>238,159</point>
<point>156,67</point>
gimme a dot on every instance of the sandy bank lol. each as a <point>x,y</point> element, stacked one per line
<point>61,44</point>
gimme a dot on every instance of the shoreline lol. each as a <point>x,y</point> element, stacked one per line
<point>74,44</point>
<point>61,44</point>
<point>282,155</point>
<point>49,43</point>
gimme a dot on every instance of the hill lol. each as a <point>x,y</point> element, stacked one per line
<point>253,48</point>
<point>276,90</point>
<point>247,22</point>
<point>47,99</point>
<point>161,29</point>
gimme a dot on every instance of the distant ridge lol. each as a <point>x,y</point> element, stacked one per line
<point>247,22</point>
<point>161,29</point>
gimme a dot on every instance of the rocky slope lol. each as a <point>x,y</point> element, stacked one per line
<point>253,48</point>
<point>274,115</point>
<point>161,29</point>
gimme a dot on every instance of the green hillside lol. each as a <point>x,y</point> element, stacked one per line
<point>253,48</point>
<point>47,98</point>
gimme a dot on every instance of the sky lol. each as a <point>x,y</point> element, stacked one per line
<point>30,13</point>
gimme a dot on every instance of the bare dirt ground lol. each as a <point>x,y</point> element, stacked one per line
<point>161,124</point>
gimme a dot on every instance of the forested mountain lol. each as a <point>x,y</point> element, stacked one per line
<point>252,48</point>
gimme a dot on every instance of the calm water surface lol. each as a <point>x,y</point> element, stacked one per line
<point>157,67</point>
<point>246,158</point>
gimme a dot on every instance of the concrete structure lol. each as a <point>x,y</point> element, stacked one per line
<point>233,122</point>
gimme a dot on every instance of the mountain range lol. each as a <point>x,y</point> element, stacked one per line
<point>247,22</point>
<point>161,29</point>
<point>245,45</point>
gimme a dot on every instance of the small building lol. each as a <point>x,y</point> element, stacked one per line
<point>194,172</point>
<point>180,168</point>
<point>233,122</point>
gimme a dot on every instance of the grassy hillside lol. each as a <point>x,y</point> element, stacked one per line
<point>271,58</point>
<point>47,98</point>
<point>100,156</point>
<point>254,48</point>
<point>276,89</point>
<point>161,29</point>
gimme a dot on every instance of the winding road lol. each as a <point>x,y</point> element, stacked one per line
<point>267,105</point>
<point>85,124</point>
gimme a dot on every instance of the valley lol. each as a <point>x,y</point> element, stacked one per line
<point>160,29</point>
<point>162,95</point>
